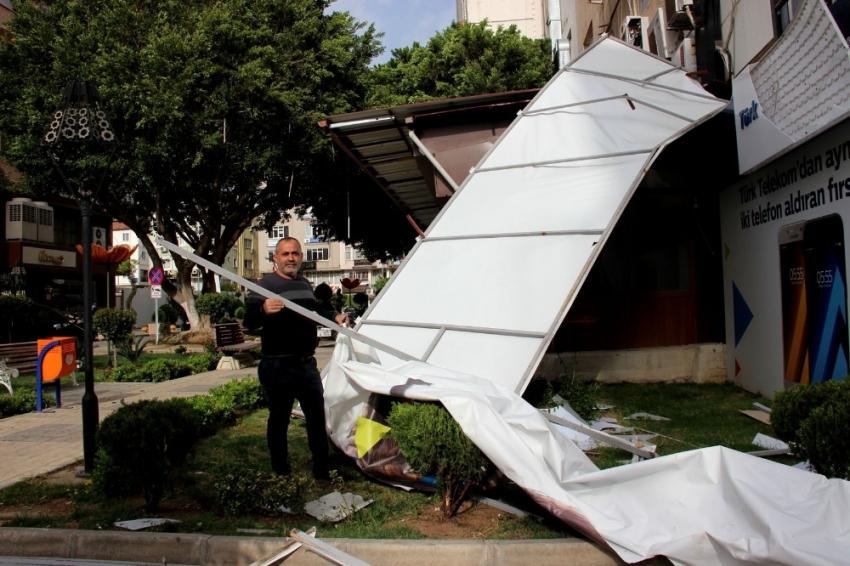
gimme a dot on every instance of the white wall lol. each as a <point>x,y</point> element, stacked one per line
<point>752,29</point>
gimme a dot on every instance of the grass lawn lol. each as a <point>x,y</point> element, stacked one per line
<point>702,415</point>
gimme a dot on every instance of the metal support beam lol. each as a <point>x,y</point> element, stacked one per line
<point>254,288</point>
<point>326,551</point>
<point>430,157</point>
<point>599,435</point>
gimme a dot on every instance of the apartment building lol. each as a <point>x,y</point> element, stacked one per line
<point>122,234</point>
<point>325,260</point>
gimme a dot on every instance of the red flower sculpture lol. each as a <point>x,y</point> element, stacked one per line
<point>349,284</point>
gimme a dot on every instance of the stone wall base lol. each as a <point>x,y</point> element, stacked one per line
<point>695,363</point>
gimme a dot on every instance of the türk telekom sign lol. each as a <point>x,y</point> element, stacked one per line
<point>798,89</point>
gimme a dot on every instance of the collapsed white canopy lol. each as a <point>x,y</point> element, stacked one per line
<point>700,508</point>
<point>485,290</point>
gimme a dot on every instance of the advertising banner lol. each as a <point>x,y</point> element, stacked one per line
<point>784,231</point>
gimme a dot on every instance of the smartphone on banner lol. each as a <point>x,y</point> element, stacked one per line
<point>826,298</point>
<point>795,339</point>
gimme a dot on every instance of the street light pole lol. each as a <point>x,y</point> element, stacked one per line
<point>83,119</point>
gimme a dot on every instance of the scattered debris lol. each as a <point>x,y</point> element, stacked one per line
<point>806,466</point>
<point>609,424</point>
<point>764,408</point>
<point>335,507</point>
<point>287,549</point>
<point>758,415</point>
<point>141,524</point>
<point>647,416</point>
<point>765,441</point>
<point>505,507</point>
<point>583,441</point>
<point>326,551</point>
<point>599,435</point>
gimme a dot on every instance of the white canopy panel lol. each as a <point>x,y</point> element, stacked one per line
<point>500,266</point>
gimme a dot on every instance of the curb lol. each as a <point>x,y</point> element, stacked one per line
<point>209,550</point>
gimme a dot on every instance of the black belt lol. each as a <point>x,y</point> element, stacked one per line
<point>290,359</point>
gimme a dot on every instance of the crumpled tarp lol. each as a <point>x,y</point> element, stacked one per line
<point>703,507</point>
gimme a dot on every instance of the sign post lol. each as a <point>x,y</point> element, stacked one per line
<point>155,277</point>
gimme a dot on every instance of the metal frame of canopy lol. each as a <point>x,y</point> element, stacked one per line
<point>651,151</point>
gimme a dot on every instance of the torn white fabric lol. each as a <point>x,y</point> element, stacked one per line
<point>700,508</point>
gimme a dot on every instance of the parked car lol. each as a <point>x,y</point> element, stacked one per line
<point>38,322</point>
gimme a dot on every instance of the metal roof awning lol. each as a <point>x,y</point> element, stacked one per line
<point>383,143</point>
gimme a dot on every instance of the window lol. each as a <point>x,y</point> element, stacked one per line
<point>316,254</point>
<point>280,232</point>
<point>235,262</point>
<point>783,12</point>
<point>125,237</point>
<point>143,255</point>
<point>247,243</point>
<point>271,256</point>
<point>309,231</point>
<point>248,264</point>
<point>349,252</point>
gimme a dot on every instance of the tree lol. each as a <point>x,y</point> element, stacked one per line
<point>433,443</point>
<point>215,102</point>
<point>127,268</point>
<point>462,60</point>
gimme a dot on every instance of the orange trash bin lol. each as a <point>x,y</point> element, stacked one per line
<point>61,360</point>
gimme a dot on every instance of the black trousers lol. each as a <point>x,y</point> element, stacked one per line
<point>285,380</point>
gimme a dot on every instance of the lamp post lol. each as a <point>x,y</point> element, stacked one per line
<point>83,119</point>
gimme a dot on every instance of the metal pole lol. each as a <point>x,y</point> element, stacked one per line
<point>156,318</point>
<point>89,403</point>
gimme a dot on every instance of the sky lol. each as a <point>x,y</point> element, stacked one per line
<point>402,21</point>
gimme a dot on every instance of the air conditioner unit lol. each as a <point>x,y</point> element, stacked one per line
<point>661,40</point>
<point>633,32</point>
<point>21,220</point>
<point>98,237</point>
<point>45,222</point>
<point>685,55</point>
<point>677,14</point>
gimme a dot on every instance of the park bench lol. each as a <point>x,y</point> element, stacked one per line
<point>20,355</point>
<point>230,341</point>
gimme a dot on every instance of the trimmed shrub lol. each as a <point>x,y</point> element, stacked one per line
<point>793,406</point>
<point>433,443</point>
<point>213,413</point>
<point>247,393</point>
<point>143,444</point>
<point>240,491</point>
<point>200,363</point>
<point>216,305</point>
<point>114,324</point>
<point>239,313</point>
<point>23,401</point>
<point>167,313</point>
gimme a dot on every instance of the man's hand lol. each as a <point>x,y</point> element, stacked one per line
<point>271,306</point>
<point>341,319</point>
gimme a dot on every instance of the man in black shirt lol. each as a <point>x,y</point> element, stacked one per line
<point>288,369</point>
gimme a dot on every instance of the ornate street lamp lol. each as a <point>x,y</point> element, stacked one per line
<point>83,119</point>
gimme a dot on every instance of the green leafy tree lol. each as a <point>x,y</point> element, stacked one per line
<point>433,443</point>
<point>215,305</point>
<point>116,325</point>
<point>215,103</point>
<point>462,60</point>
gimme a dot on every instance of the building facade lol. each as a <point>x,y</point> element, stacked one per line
<point>325,260</point>
<point>39,247</point>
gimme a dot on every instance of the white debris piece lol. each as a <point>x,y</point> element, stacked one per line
<point>335,506</point>
<point>580,439</point>
<point>141,524</point>
<point>646,416</point>
<point>610,425</point>
<point>769,442</point>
